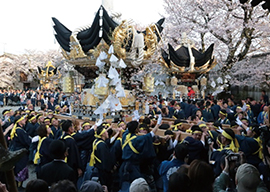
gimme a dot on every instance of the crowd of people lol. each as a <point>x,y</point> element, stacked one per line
<point>38,97</point>
<point>227,147</point>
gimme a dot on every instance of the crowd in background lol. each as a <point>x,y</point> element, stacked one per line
<point>227,147</point>
<point>37,97</point>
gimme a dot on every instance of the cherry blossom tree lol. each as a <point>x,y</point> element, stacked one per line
<point>245,74</point>
<point>11,65</point>
<point>238,30</point>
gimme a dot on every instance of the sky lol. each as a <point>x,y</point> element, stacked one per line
<point>27,24</point>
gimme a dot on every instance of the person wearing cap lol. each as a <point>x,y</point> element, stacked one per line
<point>19,140</point>
<point>99,157</point>
<point>247,179</point>
<point>169,167</point>
<point>196,143</point>
<point>223,117</point>
<point>139,184</point>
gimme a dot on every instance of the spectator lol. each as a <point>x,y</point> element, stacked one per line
<point>92,186</point>
<point>247,179</point>
<point>202,176</point>
<point>37,185</point>
<point>63,186</point>
<point>179,181</point>
<point>139,185</point>
<point>57,170</point>
<point>169,167</point>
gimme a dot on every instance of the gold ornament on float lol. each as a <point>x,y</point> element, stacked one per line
<point>148,86</point>
<point>49,75</point>
<point>68,84</point>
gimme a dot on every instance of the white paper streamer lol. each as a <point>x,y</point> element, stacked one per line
<point>122,64</point>
<point>120,90</point>
<point>102,81</point>
<point>219,80</point>
<point>101,109</point>
<point>113,73</point>
<point>113,103</point>
<point>103,55</point>
<point>100,64</point>
<point>115,81</point>
<point>113,58</point>
<point>111,51</point>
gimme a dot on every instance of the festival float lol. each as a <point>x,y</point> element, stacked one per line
<point>188,67</point>
<point>108,53</point>
<point>49,76</point>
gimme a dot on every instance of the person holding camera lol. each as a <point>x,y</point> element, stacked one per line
<point>246,178</point>
<point>228,143</point>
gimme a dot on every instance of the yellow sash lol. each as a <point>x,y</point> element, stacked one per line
<point>37,155</point>
<point>93,158</point>
<point>259,151</point>
<point>128,141</point>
